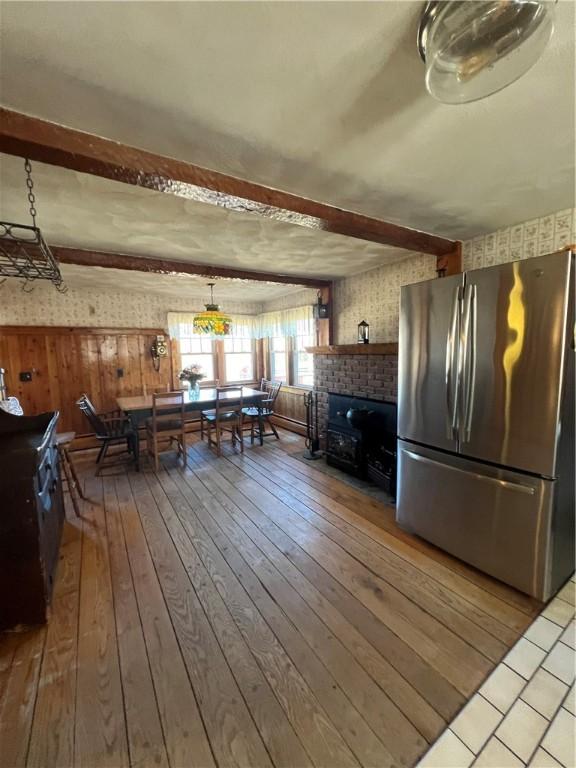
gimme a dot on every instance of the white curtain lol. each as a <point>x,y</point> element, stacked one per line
<point>180,324</point>
<point>284,322</point>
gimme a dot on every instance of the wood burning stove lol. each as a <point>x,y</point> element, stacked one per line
<point>361,438</point>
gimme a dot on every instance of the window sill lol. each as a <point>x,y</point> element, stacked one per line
<point>297,388</point>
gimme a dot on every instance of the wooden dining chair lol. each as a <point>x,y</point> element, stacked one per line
<point>167,421</point>
<point>155,388</point>
<point>262,413</point>
<point>226,417</point>
<point>110,428</point>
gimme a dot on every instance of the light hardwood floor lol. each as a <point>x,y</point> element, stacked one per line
<point>248,611</point>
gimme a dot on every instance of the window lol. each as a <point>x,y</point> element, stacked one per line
<point>278,359</point>
<point>271,345</point>
<point>225,361</point>
<point>238,359</point>
<point>198,350</point>
<point>289,361</point>
<point>303,361</point>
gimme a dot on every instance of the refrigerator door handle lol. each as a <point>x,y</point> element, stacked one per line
<point>468,361</point>
<point>528,489</point>
<point>453,382</point>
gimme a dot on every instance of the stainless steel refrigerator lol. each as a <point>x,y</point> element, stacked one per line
<point>486,419</point>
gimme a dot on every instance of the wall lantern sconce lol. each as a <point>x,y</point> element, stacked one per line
<point>363,332</point>
<point>321,311</point>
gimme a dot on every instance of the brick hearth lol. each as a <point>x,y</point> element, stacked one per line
<point>359,375</point>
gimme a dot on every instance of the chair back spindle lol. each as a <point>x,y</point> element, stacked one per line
<point>110,428</point>
<point>229,404</point>
<point>272,389</point>
<point>85,405</point>
<point>264,410</point>
<point>167,404</point>
<point>227,415</point>
<point>168,422</point>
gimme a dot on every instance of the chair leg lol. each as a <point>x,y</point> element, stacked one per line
<point>156,454</point>
<point>100,452</point>
<point>218,435</point>
<point>241,436</point>
<point>252,430</point>
<point>72,487</point>
<point>201,426</point>
<point>75,479</point>
<point>184,450</point>
<point>133,445</point>
<point>273,428</point>
<point>101,457</point>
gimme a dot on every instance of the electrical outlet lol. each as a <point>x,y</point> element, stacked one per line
<point>25,376</point>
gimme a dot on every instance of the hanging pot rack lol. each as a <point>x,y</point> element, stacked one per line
<point>24,253</point>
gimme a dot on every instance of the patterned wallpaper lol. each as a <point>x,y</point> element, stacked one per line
<point>99,309</point>
<point>299,299</point>
<point>374,296</point>
<point>521,241</point>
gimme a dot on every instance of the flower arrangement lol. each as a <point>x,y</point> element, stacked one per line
<point>192,374</point>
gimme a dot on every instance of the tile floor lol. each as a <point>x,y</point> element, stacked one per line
<point>524,713</point>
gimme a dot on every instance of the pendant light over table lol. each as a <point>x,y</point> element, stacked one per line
<point>212,322</point>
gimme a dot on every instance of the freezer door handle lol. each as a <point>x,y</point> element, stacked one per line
<point>468,361</point>
<point>453,381</point>
<point>529,489</point>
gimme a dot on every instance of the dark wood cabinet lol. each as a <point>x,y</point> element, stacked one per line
<point>31,517</point>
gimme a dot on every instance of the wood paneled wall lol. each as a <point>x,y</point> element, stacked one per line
<point>66,362</point>
<point>290,411</point>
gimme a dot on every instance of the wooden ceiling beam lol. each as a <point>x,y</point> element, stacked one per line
<point>54,144</point>
<point>111,260</point>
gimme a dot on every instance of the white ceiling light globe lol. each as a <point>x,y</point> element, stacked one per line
<point>473,48</point>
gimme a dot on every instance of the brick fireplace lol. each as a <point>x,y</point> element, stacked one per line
<point>370,371</point>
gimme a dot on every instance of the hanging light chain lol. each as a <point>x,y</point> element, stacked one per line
<point>31,196</point>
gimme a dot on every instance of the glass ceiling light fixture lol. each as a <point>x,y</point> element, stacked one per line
<point>473,48</point>
<point>24,252</point>
<point>212,322</point>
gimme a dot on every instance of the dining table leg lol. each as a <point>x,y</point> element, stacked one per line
<point>134,421</point>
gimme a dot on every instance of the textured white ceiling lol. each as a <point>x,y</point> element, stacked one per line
<point>190,286</point>
<point>75,209</point>
<point>322,99</point>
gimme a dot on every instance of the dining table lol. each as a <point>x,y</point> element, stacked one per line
<point>138,408</point>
